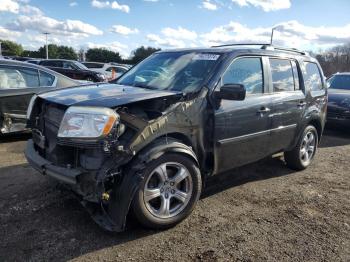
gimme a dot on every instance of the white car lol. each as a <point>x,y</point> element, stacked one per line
<point>111,71</point>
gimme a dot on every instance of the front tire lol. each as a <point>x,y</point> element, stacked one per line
<point>302,155</point>
<point>169,191</point>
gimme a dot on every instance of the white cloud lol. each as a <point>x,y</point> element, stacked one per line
<point>179,33</point>
<point>289,34</point>
<point>266,5</point>
<point>152,1</point>
<point>123,30</point>
<point>9,6</point>
<point>72,4</point>
<point>18,6</point>
<point>28,9</point>
<point>74,28</point>
<point>112,5</point>
<point>206,4</point>
<point>173,37</point>
<point>6,34</point>
<point>165,41</point>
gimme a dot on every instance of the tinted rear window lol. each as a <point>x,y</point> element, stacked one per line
<point>93,65</point>
<point>340,82</point>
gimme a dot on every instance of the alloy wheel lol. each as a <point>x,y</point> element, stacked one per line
<point>308,147</point>
<point>168,190</point>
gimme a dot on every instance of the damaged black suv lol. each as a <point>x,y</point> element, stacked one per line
<point>149,142</point>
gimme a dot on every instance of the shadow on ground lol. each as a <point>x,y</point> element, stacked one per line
<point>14,137</point>
<point>39,220</point>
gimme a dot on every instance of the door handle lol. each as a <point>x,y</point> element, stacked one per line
<point>302,104</point>
<point>264,110</point>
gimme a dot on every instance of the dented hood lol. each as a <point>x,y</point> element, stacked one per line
<point>106,95</point>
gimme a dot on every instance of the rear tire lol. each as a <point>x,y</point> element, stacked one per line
<point>169,191</point>
<point>302,155</point>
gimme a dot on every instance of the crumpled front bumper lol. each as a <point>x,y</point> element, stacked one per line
<point>45,167</point>
<point>118,206</point>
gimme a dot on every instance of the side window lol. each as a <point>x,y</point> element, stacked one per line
<point>46,79</point>
<point>121,70</point>
<point>68,65</point>
<point>51,63</point>
<point>312,78</point>
<point>14,78</point>
<point>282,75</point>
<point>246,71</point>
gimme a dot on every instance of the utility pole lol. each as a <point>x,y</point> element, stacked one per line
<point>47,47</point>
<point>0,50</point>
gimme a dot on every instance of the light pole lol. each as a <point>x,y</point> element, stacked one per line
<point>47,47</point>
<point>0,50</point>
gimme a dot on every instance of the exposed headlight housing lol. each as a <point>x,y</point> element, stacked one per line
<point>30,106</point>
<point>87,122</point>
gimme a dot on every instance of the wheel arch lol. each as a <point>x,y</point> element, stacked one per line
<point>172,142</point>
<point>317,124</point>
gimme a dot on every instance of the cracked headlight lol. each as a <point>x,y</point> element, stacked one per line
<point>87,122</point>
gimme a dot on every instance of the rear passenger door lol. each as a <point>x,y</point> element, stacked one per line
<point>288,101</point>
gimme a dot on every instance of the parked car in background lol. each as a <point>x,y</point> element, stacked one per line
<point>111,71</point>
<point>34,61</point>
<point>19,81</point>
<point>150,141</point>
<point>339,99</point>
<point>73,69</point>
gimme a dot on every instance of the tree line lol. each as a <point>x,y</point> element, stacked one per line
<point>332,60</point>
<point>10,48</point>
<point>335,59</point>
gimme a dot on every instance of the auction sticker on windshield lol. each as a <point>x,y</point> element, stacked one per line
<point>206,57</point>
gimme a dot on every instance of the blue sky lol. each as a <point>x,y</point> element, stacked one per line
<point>123,25</point>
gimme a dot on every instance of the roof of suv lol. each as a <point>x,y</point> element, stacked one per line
<point>246,48</point>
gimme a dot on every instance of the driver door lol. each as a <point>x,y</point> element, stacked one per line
<point>242,128</point>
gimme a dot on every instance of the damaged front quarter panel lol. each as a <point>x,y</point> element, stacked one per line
<point>185,117</point>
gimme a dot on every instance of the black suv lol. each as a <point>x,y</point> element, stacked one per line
<point>149,142</point>
<point>73,69</point>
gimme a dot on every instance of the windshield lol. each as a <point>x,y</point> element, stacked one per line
<point>340,82</point>
<point>80,65</point>
<point>177,71</point>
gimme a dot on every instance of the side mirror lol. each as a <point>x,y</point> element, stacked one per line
<point>231,92</point>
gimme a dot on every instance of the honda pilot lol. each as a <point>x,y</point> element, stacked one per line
<point>149,143</point>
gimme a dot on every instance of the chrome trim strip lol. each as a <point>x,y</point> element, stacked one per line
<point>240,138</point>
<point>18,116</point>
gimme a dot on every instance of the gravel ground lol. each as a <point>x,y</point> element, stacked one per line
<point>261,212</point>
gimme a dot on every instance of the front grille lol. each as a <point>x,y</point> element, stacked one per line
<point>48,124</point>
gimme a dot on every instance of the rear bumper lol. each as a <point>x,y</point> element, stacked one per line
<point>65,175</point>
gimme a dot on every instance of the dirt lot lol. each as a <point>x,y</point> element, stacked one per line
<point>260,212</point>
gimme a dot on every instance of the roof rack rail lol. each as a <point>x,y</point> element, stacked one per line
<point>266,47</point>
